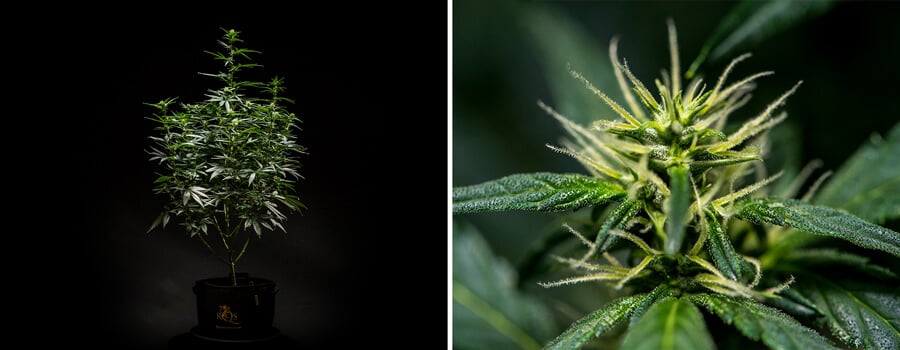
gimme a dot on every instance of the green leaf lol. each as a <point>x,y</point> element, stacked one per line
<point>759,322</point>
<point>488,311</point>
<point>536,191</point>
<point>859,314</point>
<point>617,219</point>
<point>671,323</point>
<point>868,184</point>
<point>820,220</point>
<point>660,292</point>
<point>827,259</point>
<point>595,324</point>
<point>677,207</point>
<point>720,248</point>
<point>792,301</point>
<point>751,22</point>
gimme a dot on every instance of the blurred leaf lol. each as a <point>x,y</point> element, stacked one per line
<point>488,311</point>
<point>566,46</point>
<point>535,191</point>
<point>787,157</point>
<point>751,22</point>
<point>820,220</point>
<point>759,322</point>
<point>827,259</point>
<point>671,323</point>
<point>533,262</point>
<point>862,315</point>
<point>596,323</point>
<point>868,184</point>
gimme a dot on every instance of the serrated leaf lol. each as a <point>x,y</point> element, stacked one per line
<point>656,294</point>
<point>535,191</point>
<point>859,314</point>
<point>159,220</point>
<point>488,311</point>
<point>616,220</point>
<point>792,302</point>
<point>671,323</point>
<point>868,184</point>
<point>677,207</point>
<point>595,324</point>
<point>162,179</point>
<point>750,22</point>
<point>720,248</point>
<point>759,322</point>
<point>820,220</point>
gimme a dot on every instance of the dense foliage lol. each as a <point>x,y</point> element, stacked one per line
<point>228,162</point>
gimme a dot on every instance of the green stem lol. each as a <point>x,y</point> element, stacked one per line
<point>211,250</point>
<point>233,274</point>
<point>243,249</point>
<point>231,261</point>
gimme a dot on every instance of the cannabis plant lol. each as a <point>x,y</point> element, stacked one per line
<point>228,162</point>
<point>684,220</point>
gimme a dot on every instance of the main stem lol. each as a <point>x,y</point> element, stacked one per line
<point>225,235</point>
<point>231,259</point>
<point>233,275</point>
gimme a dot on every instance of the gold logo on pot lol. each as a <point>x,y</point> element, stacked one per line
<point>225,314</point>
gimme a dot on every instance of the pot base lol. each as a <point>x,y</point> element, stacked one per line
<point>259,337</point>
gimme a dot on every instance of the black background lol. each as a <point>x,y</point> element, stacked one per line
<point>370,86</point>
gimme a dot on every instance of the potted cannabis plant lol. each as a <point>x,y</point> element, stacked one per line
<point>227,169</point>
<point>686,227</point>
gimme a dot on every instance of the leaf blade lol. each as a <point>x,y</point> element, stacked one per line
<point>616,220</point>
<point>859,314</point>
<point>820,220</point>
<point>535,191</point>
<point>750,22</point>
<point>720,248</point>
<point>671,323</point>
<point>596,323</point>
<point>827,259</point>
<point>655,295</point>
<point>760,322</point>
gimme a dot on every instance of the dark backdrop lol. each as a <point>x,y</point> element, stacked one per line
<point>370,86</point>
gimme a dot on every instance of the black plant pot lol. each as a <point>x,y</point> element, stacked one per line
<point>241,313</point>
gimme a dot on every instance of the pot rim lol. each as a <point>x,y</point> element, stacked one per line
<point>225,282</point>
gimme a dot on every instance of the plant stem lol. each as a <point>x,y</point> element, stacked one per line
<point>233,275</point>
<point>244,249</point>
<point>211,250</point>
<point>231,260</point>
